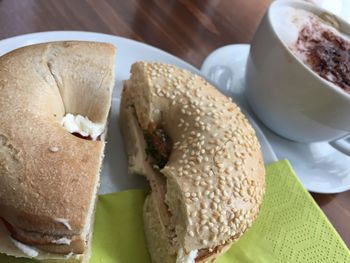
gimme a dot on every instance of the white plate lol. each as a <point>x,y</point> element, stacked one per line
<point>320,167</point>
<point>114,172</point>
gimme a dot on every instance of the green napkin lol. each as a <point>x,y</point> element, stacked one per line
<point>291,228</point>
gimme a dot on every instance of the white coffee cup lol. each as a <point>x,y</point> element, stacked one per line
<point>286,95</point>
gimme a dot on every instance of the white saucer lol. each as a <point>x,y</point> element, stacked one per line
<point>320,167</point>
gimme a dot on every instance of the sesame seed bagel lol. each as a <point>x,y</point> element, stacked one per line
<point>49,177</point>
<point>209,187</point>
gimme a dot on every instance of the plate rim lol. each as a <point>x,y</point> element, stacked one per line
<point>68,35</point>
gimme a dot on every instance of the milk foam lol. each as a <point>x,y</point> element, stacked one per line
<point>315,41</point>
<point>288,21</point>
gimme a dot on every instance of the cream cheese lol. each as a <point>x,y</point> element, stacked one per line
<point>65,222</point>
<point>182,257</point>
<point>69,255</point>
<point>82,125</point>
<point>27,250</point>
<point>62,241</point>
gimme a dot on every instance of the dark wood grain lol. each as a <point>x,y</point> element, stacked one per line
<point>187,29</point>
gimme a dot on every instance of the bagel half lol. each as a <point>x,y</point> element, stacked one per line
<point>201,157</point>
<point>50,177</point>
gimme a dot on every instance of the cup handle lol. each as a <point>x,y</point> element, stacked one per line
<point>342,144</point>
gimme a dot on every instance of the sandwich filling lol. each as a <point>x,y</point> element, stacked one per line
<point>157,148</point>
<point>27,250</point>
<point>36,239</point>
<point>182,257</point>
<point>158,145</point>
<point>82,127</point>
<point>19,248</point>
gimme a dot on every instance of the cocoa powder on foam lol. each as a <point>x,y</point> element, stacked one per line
<point>325,51</point>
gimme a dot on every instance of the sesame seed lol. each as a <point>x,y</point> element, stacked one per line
<point>54,149</point>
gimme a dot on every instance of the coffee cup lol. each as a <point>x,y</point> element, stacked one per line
<point>286,94</point>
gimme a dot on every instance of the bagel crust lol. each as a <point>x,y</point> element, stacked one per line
<point>49,177</point>
<point>214,179</point>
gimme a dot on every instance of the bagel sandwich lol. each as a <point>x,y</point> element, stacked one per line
<point>201,157</point>
<point>54,102</point>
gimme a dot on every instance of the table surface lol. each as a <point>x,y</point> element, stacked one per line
<point>187,29</point>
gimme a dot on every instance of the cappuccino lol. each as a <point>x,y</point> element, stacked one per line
<point>317,43</point>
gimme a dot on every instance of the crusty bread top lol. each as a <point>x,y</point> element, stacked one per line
<point>215,173</point>
<point>48,175</point>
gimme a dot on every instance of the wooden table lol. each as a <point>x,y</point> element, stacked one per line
<point>187,29</point>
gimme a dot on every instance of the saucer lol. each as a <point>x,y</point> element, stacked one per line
<point>320,167</point>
